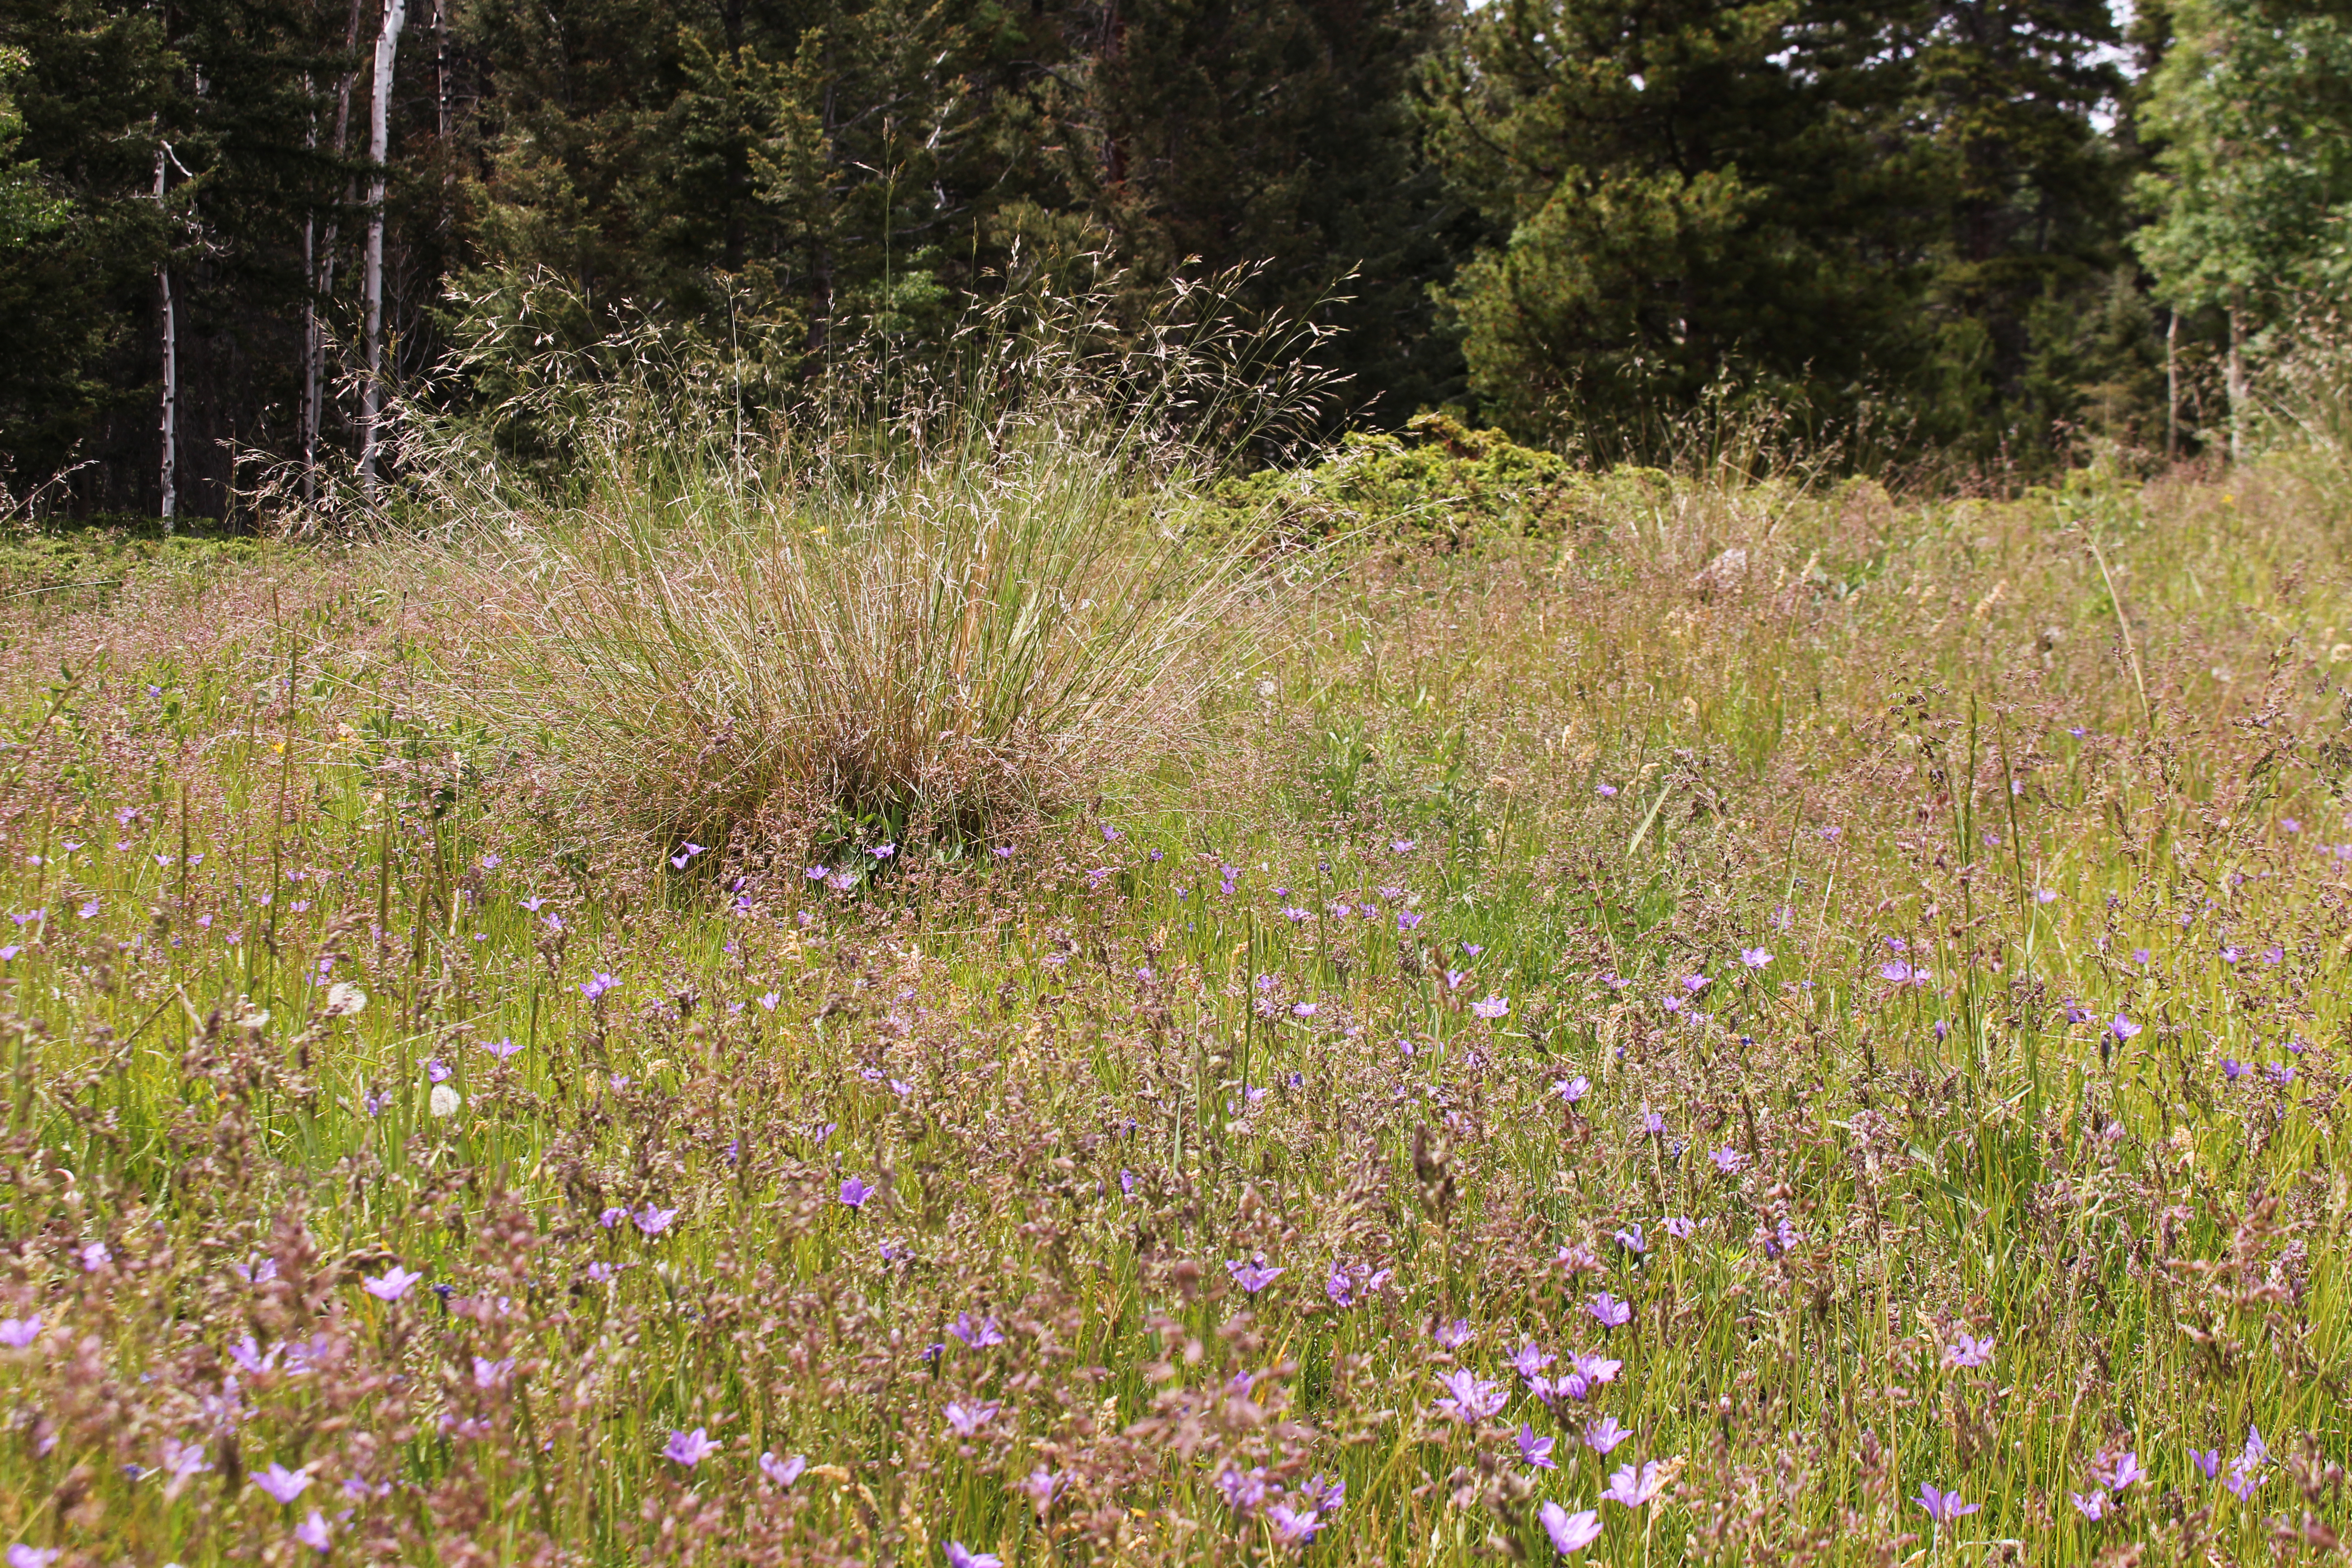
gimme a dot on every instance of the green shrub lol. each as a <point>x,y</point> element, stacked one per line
<point>1441,485</point>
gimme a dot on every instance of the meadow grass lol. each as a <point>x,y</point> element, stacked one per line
<point>1890,953</point>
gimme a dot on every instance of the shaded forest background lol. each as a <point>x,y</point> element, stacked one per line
<point>1980,236</point>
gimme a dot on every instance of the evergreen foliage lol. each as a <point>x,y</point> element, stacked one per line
<point>1975,231</point>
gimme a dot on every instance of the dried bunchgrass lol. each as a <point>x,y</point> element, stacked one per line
<point>920,605</point>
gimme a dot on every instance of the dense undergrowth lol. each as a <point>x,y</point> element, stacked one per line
<point>1768,1024</point>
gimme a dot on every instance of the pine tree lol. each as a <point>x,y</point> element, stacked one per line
<point>1835,207</point>
<point>75,299</point>
<point>1691,188</point>
<point>2002,99</point>
<point>1284,132</point>
<point>25,208</point>
<point>218,96</point>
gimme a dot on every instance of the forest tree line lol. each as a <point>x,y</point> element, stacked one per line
<point>1990,230</point>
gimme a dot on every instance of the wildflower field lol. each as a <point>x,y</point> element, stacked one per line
<point>1753,1021</point>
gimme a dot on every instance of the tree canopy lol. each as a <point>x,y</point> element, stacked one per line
<point>1971,229</point>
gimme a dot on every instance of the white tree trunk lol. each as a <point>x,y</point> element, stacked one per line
<point>323,279</point>
<point>311,356</point>
<point>395,13</point>
<point>2172,386</point>
<point>170,418</point>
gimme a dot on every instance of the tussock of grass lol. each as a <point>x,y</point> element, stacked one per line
<point>950,606</point>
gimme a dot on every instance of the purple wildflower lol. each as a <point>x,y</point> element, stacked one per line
<point>1534,1450</point>
<point>1602,1435</point>
<point>690,1448</point>
<point>1325,1492</point>
<point>282,1484</point>
<point>1943,1507</point>
<point>1244,1491</point>
<point>183,1462</point>
<point>962,1556</point>
<point>392,1285</point>
<point>978,1335</point>
<point>1570,1532</point>
<point>1252,1274</point>
<point>1293,1527</point>
<point>1529,1360</point>
<point>1633,1487</point>
<point>2114,1473</point>
<point>1043,1486</point>
<point>1470,1399</point>
<point>968,1419</point>
<point>784,1472</point>
<point>855,1193</point>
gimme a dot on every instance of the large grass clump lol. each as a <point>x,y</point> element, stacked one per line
<point>926,602</point>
